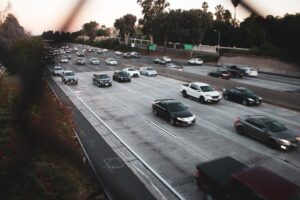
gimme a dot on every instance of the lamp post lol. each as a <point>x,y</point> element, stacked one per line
<point>219,38</point>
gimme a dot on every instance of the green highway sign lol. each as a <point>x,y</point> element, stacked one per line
<point>152,47</point>
<point>188,47</point>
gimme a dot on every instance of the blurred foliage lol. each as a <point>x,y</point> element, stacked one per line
<point>126,26</point>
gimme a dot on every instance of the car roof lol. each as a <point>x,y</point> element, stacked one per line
<point>200,84</point>
<point>167,101</point>
<point>267,183</point>
<point>68,71</point>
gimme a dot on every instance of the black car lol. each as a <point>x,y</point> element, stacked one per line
<point>220,74</point>
<point>173,111</point>
<point>102,80</point>
<point>234,70</point>
<point>241,95</point>
<point>160,61</point>
<point>121,76</point>
<point>267,130</point>
<point>80,54</point>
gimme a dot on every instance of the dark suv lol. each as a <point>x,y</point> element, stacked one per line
<point>102,80</point>
<point>121,76</point>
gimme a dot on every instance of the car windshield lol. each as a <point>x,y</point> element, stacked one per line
<point>69,74</point>
<point>207,88</point>
<point>275,126</point>
<point>102,76</point>
<point>131,69</point>
<point>150,69</point>
<point>125,74</point>
<point>246,91</point>
<point>176,107</point>
<point>57,68</point>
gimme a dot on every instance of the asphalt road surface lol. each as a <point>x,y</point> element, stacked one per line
<point>173,152</point>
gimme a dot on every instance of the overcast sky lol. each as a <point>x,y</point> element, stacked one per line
<point>37,16</point>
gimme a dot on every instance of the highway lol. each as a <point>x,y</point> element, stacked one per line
<point>173,152</point>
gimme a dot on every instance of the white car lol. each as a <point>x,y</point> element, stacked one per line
<point>58,71</point>
<point>104,50</point>
<point>148,71</point>
<point>94,61</point>
<point>195,61</point>
<point>132,72</point>
<point>167,59</point>
<point>64,59</point>
<point>111,61</point>
<point>201,91</point>
<point>75,48</point>
<point>249,71</point>
<point>174,67</point>
<point>100,51</point>
<point>118,53</point>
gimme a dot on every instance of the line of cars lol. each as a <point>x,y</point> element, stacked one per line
<point>233,71</point>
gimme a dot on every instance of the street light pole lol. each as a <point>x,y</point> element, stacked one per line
<point>219,38</point>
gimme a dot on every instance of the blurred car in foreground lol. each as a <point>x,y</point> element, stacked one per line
<point>242,95</point>
<point>132,72</point>
<point>220,74</point>
<point>173,111</point>
<point>148,71</point>
<point>111,61</point>
<point>102,80</point>
<point>228,179</point>
<point>121,76</point>
<point>94,61</point>
<point>267,130</point>
<point>195,61</point>
<point>68,77</point>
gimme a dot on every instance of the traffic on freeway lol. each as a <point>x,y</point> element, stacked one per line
<point>171,125</point>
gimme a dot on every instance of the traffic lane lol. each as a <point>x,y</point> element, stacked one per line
<point>112,173</point>
<point>221,123</point>
<point>242,148</point>
<point>151,143</point>
<point>262,80</point>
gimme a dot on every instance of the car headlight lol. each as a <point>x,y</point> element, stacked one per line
<point>249,99</point>
<point>283,141</point>
<point>259,98</point>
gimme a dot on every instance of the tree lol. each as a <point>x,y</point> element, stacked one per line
<point>150,8</point>
<point>126,26</point>
<point>235,4</point>
<point>90,29</point>
<point>205,7</point>
<point>10,30</point>
<point>219,13</point>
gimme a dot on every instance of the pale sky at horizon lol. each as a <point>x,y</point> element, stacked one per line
<point>37,16</point>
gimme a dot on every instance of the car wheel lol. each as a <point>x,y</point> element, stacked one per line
<point>172,121</point>
<point>240,130</point>
<point>225,97</point>
<point>202,100</point>
<point>272,144</point>
<point>244,102</point>
<point>184,94</point>
<point>154,112</point>
<point>98,84</point>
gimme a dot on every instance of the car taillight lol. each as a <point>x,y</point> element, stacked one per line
<point>197,174</point>
<point>237,120</point>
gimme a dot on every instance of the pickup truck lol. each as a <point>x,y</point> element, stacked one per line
<point>228,179</point>
<point>201,91</point>
<point>234,71</point>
